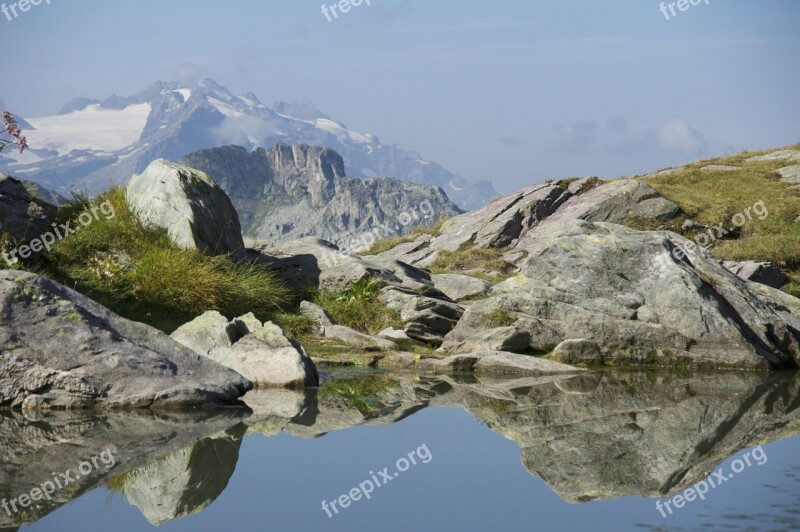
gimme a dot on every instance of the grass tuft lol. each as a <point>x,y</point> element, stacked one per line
<point>139,273</point>
<point>358,307</point>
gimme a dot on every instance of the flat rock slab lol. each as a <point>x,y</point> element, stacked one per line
<point>790,174</point>
<point>780,155</point>
<point>60,349</point>
<point>719,168</point>
<point>497,363</point>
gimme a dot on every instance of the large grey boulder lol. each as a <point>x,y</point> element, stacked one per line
<point>60,349</point>
<point>194,210</point>
<point>643,297</point>
<point>758,272</point>
<point>261,352</point>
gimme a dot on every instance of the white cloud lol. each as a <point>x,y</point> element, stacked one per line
<point>676,135</point>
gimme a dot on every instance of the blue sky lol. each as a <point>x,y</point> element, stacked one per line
<point>513,91</point>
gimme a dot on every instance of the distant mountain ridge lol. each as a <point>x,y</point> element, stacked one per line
<point>95,143</point>
<point>288,192</point>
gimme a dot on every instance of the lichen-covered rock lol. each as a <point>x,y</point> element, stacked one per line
<point>427,319</point>
<point>459,287</point>
<point>578,353</point>
<point>643,297</point>
<point>22,215</point>
<point>261,352</point>
<point>60,349</point>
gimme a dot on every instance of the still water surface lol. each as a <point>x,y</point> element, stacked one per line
<point>590,452</point>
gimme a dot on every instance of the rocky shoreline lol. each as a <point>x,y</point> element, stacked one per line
<point>567,288</point>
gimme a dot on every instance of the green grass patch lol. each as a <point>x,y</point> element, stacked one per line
<point>500,317</point>
<point>139,273</point>
<point>386,244</point>
<point>358,307</point>
<point>487,264</point>
<point>716,197</point>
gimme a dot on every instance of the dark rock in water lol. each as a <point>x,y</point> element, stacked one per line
<point>60,349</point>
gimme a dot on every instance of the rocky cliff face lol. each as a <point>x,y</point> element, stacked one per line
<point>288,192</point>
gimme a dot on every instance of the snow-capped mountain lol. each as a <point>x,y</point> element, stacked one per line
<point>95,143</point>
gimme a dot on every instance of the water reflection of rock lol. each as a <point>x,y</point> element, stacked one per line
<point>33,448</point>
<point>592,436</point>
<point>187,480</point>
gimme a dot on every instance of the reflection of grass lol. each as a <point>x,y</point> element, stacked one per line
<point>117,483</point>
<point>358,392</point>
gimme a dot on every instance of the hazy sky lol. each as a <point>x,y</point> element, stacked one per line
<point>513,91</point>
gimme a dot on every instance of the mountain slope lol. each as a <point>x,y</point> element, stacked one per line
<point>95,143</point>
<point>288,192</point>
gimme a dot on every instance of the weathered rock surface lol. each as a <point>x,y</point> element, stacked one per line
<point>60,349</point>
<point>631,293</point>
<point>497,363</point>
<point>780,155</point>
<point>758,272</point>
<point>260,352</point>
<point>22,215</point>
<point>189,205</point>
<point>790,174</point>
<point>513,221</point>
<point>425,318</point>
<point>578,352</point>
<point>459,287</point>
<point>288,192</point>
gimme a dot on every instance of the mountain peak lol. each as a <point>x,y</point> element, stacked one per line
<point>120,136</point>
